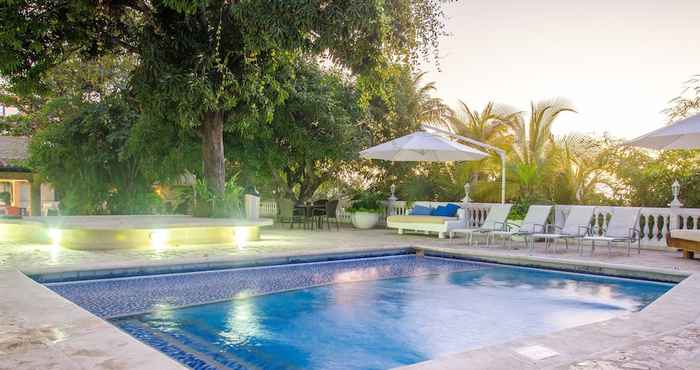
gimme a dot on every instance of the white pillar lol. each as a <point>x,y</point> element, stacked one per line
<point>465,204</point>
<point>391,201</point>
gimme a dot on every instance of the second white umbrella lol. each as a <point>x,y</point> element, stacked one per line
<point>423,146</point>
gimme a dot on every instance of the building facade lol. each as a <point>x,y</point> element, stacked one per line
<point>28,195</point>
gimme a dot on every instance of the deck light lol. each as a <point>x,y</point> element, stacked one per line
<point>55,236</point>
<point>159,239</point>
<point>242,235</point>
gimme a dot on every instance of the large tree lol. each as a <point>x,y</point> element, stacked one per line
<point>313,134</point>
<point>61,92</point>
<point>211,66</point>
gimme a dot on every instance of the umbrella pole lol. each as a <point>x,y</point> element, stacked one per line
<point>503,176</point>
<point>501,153</point>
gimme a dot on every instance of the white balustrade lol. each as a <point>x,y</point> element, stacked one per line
<point>653,221</point>
<point>268,208</point>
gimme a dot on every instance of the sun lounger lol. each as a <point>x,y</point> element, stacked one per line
<point>622,227</point>
<point>495,220</point>
<point>534,222</point>
<point>577,223</point>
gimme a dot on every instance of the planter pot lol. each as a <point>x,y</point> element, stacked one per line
<point>364,220</point>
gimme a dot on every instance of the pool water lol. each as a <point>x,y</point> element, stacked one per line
<point>425,308</point>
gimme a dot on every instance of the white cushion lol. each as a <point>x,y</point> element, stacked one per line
<point>693,235</point>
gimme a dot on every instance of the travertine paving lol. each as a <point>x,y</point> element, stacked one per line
<point>663,336</point>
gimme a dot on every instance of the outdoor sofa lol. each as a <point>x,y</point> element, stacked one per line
<point>684,239</point>
<point>423,218</point>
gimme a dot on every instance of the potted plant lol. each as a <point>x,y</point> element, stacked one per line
<point>364,212</point>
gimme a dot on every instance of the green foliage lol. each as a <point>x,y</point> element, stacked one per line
<point>312,135</point>
<point>6,197</point>
<point>230,203</point>
<point>367,202</point>
<point>522,205</point>
<point>61,91</point>
<point>646,180</point>
<point>206,203</point>
<point>88,160</point>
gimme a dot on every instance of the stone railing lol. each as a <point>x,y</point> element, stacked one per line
<point>268,209</point>
<point>653,222</point>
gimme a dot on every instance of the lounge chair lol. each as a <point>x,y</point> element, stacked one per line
<point>495,220</point>
<point>622,227</point>
<point>686,240</point>
<point>427,223</point>
<point>534,222</point>
<point>576,226</point>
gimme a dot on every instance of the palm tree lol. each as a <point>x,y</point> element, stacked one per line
<point>532,138</point>
<point>580,167</point>
<point>491,126</point>
<point>425,108</point>
<point>531,152</point>
<point>687,103</point>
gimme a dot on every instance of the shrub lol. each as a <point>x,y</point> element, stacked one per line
<point>367,202</point>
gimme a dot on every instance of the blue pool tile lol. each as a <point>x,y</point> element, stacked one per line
<point>126,296</point>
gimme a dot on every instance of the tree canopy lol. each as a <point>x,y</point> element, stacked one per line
<point>311,138</point>
<point>89,160</point>
<point>210,66</point>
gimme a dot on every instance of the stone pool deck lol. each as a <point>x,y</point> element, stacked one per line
<point>39,329</point>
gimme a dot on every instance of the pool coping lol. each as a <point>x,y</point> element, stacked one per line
<point>676,308</point>
<point>138,222</point>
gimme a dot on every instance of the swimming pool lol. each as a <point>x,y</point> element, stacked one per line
<point>372,313</point>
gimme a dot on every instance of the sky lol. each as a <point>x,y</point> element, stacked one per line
<point>618,61</point>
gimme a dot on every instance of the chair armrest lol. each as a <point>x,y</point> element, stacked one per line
<point>552,227</point>
<point>542,227</point>
<point>504,226</point>
<point>634,234</point>
<point>584,230</point>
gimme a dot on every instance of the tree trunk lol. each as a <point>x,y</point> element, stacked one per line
<point>212,132</point>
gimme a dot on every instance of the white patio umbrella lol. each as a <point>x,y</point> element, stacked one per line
<point>422,146</point>
<point>684,134</point>
<point>434,145</point>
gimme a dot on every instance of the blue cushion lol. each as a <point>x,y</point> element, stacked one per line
<point>441,211</point>
<point>421,211</point>
<point>453,208</point>
<point>449,210</point>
